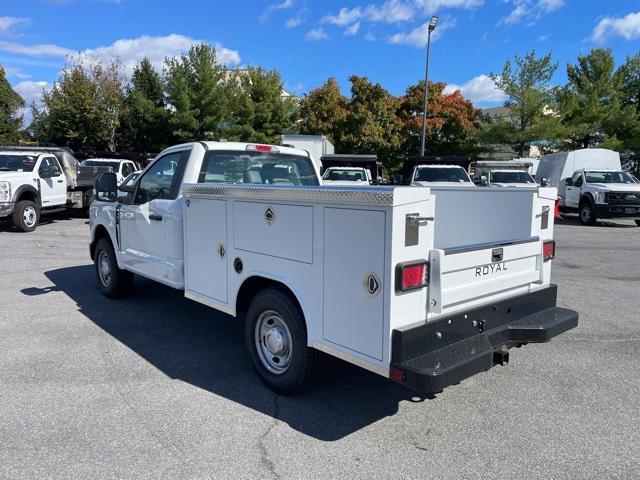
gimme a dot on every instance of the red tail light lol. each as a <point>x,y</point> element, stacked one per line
<point>548,250</point>
<point>262,148</point>
<point>412,275</point>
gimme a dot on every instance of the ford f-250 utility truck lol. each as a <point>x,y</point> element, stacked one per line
<point>591,183</point>
<point>35,180</point>
<point>424,289</point>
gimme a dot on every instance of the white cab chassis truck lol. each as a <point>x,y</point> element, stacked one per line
<point>425,289</point>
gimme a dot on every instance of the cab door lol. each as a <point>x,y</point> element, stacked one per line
<point>573,191</point>
<point>151,223</point>
<point>53,184</point>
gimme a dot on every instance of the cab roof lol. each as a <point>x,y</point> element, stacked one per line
<point>242,146</point>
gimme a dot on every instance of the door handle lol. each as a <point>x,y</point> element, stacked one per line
<point>156,217</point>
<point>60,181</point>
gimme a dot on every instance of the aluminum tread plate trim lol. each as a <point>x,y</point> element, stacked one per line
<point>382,196</point>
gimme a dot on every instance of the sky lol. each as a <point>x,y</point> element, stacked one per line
<point>311,40</point>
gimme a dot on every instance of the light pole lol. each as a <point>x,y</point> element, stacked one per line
<point>431,28</point>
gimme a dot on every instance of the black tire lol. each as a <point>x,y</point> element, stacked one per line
<point>638,223</point>
<point>587,214</point>
<point>113,282</point>
<point>303,363</point>
<point>26,216</point>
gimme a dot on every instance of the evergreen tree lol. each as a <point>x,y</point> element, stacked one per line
<point>11,105</point>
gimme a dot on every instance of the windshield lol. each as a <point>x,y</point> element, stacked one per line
<point>95,163</point>
<point>608,177</point>
<point>17,163</point>
<point>256,167</point>
<point>441,174</point>
<point>344,175</point>
<point>511,177</point>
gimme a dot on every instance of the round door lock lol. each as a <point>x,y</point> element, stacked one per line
<point>269,215</point>
<point>237,265</point>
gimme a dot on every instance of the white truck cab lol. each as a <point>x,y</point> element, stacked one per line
<point>591,183</point>
<point>354,176</point>
<point>387,278</point>
<point>440,175</point>
<point>122,168</point>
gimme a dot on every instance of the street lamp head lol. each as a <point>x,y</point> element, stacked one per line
<point>433,23</point>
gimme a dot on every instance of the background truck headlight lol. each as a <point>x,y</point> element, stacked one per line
<point>600,197</point>
<point>5,192</point>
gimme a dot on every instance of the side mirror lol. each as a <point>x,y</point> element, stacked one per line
<point>483,180</point>
<point>568,182</point>
<point>127,188</point>
<point>544,182</point>
<point>106,187</point>
<point>45,172</point>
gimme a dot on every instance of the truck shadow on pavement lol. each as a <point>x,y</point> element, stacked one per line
<point>574,221</point>
<point>205,348</point>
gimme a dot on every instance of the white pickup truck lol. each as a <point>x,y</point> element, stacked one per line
<point>353,176</point>
<point>35,180</point>
<point>424,289</point>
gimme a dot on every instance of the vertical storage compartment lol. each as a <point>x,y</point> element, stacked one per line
<point>354,259</point>
<point>206,248</point>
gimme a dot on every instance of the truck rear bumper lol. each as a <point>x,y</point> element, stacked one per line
<point>431,356</point>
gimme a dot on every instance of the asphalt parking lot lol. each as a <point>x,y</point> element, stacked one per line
<point>157,386</point>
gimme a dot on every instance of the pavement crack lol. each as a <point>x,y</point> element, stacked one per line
<point>264,452</point>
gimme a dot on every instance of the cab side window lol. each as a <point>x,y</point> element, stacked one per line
<point>577,179</point>
<point>51,164</point>
<point>162,180</point>
<point>126,169</point>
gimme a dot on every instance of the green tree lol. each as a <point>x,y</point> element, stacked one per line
<point>324,111</point>
<point>195,88</point>
<point>83,108</point>
<point>11,105</point>
<point>452,121</point>
<point>146,116</point>
<point>530,97</point>
<point>591,104</point>
<point>372,124</point>
<point>256,109</point>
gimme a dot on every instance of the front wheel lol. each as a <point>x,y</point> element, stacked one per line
<point>26,216</point>
<point>276,338</point>
<point>587,214</point>
<point>112,281</point>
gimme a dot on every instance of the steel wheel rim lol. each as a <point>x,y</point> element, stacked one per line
<point>104,268</point>
<point>273,342</point>
<point>586,214</point>
<point>29,216</point>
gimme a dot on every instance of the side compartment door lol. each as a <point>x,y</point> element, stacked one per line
<point>153,220</point>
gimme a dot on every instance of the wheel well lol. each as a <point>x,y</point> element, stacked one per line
<point>254,285</point>
<point>101,232</point>
<point>586,198</point>
<point>28,195</point>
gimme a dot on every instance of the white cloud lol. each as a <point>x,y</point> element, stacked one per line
<point>37,50</point>
<point>31,92</point>
<point>16,72</point>
<point>530,11</point>
<point>418,36</point>
<point>131,51</point>
<point>480,89</point>
<point>433,6</point>
<point>284,5</point>
<point>344,17</point>
<point>8,23</point>
<point>316,34</point>
<point>627,27</point>
<point>295,21</point>
<point>352,30</point>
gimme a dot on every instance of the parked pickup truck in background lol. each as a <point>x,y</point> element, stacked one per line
<point>354,176</point>
<point>440,175</point>
<point>591,183</point>
<point>503,174</point>
<point>35,180</point>
<point>122,168</point>
<point>425,291</point>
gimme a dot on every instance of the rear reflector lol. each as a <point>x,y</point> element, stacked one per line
<point>262,148</point>
<point>396,374</point>
<point>548,250</point>
<point>412,275</point>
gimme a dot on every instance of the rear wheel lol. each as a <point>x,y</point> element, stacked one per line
<point>638,223</point>
<point>587,214</point>
<point>26,216</point>
<point>112,281</point>
<point>276,338</point>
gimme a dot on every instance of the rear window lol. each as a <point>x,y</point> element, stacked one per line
<point>512,177</point>
<point>435,174</point>
<point>256,168</point>
<point>93,163</point>
<point>344,175</point>
<point>17,163</point>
